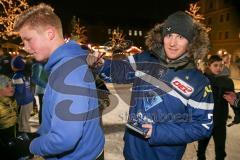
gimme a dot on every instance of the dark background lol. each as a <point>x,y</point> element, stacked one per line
<point>99,15</point>
<point>123,12</point>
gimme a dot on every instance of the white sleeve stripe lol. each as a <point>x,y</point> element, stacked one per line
<point>159,84</point>
<point>132,62</point>
<point>18,81</point>
<point>201,105</point>
<point>178,96</point>
<point>192,103</point>
<point>154,81</point>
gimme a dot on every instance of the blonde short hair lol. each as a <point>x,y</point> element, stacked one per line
<point>41,15</point>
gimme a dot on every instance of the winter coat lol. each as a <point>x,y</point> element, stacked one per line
<point>23,92</point>
<point>174,97</point>
<point>70,127</point>
<point>8,112</point>
<point>220,85</point>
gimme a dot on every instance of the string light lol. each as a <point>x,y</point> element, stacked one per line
<point>193,11</point>
<point>78,31</point>
<point>10,10</point>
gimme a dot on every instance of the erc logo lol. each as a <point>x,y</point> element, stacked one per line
<point>182,86</point>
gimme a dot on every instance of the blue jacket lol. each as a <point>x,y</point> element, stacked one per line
<point>70,128</point>
<point>39,77</point>
<point>23,93</point>
<point>177,102</point>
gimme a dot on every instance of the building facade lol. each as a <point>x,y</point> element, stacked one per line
<point>223,16</point>
<point>102,34</point>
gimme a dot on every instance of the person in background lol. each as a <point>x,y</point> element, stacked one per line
<point>8,116</point>
<point>5,63</point>
<point>226,57</point>
<point>171,99</point>
<point>23,94</point>
<point>233,99</point>
<point>220,85</point>
<point>70,127</point>
<point>39,77</point>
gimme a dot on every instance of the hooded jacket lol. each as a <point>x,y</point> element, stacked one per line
<point>23,93</point>
<point>70,128</point>
<point>175,98</point>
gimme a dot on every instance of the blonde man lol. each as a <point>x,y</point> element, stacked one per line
<point>70,127</point>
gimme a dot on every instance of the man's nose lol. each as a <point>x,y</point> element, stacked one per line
<point>27,49</point>
<point>172,41</point>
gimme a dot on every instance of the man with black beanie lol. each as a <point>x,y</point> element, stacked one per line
<point>172,101</point>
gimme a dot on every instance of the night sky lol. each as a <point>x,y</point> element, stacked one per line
<point>112,12</point>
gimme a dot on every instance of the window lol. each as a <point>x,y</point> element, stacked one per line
<point>209,21</point>
<point>228,17</point>
<point>221,18</point>
<point>135,33</point>
<point>140,33</point>
<point>130,32</point>
<point>226,35</point>
<point>109,31</point>
<point>210,5</point>
<point>220,35</point>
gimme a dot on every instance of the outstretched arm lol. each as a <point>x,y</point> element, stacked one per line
<point>232,98</point>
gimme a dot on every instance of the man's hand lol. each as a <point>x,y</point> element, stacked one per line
<point>95,59</point>
<point>149,127</point>
<point>230,97</point>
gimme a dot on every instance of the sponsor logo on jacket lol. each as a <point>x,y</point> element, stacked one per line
<point>182,86</point>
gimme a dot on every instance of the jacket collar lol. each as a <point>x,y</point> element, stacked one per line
<point>183,62</point>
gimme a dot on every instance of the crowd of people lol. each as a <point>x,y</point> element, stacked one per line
<point>173,103</point>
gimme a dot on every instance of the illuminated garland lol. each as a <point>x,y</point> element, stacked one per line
<point>9,10</point>
<point>193,11</point>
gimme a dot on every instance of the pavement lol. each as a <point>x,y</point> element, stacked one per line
<point>115,117</point>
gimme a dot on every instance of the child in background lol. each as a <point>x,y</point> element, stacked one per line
<point>23,94</point>
<point>220,85</point>
<point>8,116</point>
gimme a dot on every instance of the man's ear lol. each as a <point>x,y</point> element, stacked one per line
<point>51,33</point>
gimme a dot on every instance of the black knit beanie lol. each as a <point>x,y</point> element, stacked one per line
<point>18,62</point>
<point>180,23</point>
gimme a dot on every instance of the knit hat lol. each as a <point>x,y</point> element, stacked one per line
<point>4,80</point>
<point>180,23</point>
<point>18,62</point>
